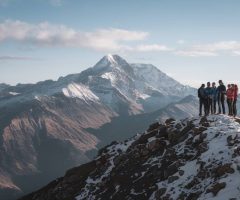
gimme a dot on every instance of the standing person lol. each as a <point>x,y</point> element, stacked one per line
<point>202,99</point>
<point>235,100</point>
<point>221,97</point>
<point>215,96</point>
<point>209,94</point>
<point>230,99</point>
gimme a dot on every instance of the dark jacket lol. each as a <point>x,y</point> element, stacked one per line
<point>201,93</point>
<point>221,91</point>
<point>209,92</point>
<point>235,93</point>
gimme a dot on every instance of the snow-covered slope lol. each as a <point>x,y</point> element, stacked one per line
<point>143,86</point>
<point>195,158</point>
<point>80,91</point>
<point>155,78</point>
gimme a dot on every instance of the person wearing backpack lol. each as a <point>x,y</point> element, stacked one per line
<point>235,100</point>
<point>214,97</point>
<point>202,99</point>
<point>209,97</point>
<point>230,99</point>
<point>221,97</point>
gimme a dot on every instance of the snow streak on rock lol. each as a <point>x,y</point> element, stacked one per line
<point>80,91</point>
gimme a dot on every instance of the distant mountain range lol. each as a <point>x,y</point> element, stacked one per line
<point>51,126</point>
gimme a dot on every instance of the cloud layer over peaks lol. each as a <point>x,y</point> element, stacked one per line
<point>46,34</point>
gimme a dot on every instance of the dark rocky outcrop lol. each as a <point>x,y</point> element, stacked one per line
<point>168,161</point>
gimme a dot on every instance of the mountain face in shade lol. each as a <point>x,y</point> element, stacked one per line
<point>194,158</point>
<point>3,86</point>
<point>47,127</point>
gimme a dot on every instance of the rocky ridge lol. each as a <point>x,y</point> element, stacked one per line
<point>196,158</point>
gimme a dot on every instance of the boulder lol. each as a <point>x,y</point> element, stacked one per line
<point>159,193</point>
<point>230,141</point>
<point>169,121</point>
<point>171,169</point>
<point>203,120</point>
<point>171,179</point>
<point>192,183</point>
<point>216,188</point>
<point>153,127</point>
<point>223,169</point>
<point>181,172</point>
<point>156,144</point>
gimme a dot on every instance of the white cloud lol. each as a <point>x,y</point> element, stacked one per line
<point>46,34</point>
<point>211,49</point>
<point>106,40</point>
<point>219,46</point>
<point>236,53</point>
<point>192,53</point>
<point>152,47</point>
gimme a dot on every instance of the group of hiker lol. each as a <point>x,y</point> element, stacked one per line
<point>211,96</point>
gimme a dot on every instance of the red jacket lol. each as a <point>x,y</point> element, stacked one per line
<point>230,94</point>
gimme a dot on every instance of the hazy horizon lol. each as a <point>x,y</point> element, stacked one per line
<point>191,41</point>
<point>195,85</point>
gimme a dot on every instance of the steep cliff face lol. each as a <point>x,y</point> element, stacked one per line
<point>39,136</point>
<point>195,158</point>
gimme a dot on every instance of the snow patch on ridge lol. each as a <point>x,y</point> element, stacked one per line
<point>14,93</point>
<point>218,153</point>
<point>79,91</point>
<point>223,126</point>
<point>106,61</point>
<point>111,59</point>
<point>110,76</point>
<point>113,151</point>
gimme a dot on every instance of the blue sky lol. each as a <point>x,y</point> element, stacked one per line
<point>193,41</point>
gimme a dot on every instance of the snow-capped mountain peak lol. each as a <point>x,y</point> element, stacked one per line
<point>143,85</point>
<point>111,58</point>
<point>112,61</point>
<point>106,61</point>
